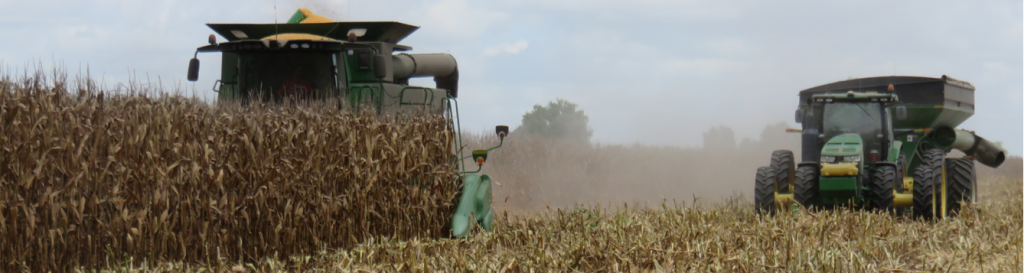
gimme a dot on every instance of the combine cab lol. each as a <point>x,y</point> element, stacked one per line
<point>313,58</point>
<point>880,143</point>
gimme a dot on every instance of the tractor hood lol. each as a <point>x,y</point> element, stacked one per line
<point>843,145</point>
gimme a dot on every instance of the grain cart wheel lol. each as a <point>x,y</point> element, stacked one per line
<point>806,187</point>
<point>764,191</point>
<point>960,179</point>
<point>785,170</point>
<point>927,180</point>
<point>881,193</point>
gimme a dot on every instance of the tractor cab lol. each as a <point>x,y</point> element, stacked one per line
<point>851,126</point>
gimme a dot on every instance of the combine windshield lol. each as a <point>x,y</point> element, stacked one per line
<point>275,75</point>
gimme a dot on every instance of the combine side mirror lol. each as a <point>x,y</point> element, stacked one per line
<point>799,115</point>
<point>901,112</point>
<point>193,70</point>
<point>380,69</point>
<point>501,130</point>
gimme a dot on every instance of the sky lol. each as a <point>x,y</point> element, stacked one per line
<point>654,72</point>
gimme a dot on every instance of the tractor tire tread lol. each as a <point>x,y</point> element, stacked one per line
<point>880,194</point>
<point>784,166</point>
<point>806,187</point>
<point>925,176</point>
<point>764,190</point>
<point>960,181</point>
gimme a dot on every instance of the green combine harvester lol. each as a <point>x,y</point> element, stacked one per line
<point>313,58</point>
<point>880,143</point>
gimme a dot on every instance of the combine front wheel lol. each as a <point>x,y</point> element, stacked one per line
<point>764,191</point>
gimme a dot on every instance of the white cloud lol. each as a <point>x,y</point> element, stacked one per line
<point>703,67</point>
<point>457,19</point>
<point>1016,96</point>
<point>513,48</point>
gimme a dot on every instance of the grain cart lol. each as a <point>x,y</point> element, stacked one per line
<point>313,58</point>
<point>880,143</point>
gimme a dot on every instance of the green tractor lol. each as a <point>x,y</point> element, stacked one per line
<point>880,143</point>
<point>313,58</point>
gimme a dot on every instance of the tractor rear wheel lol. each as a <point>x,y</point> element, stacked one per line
<point>927,177</point>
<point>881,191</point>
<point>960,179</point>
<point>806,187</point>
<point>785,169</point>
<point>764,191</point>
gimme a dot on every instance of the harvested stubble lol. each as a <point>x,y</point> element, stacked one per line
<point>86,180</point>
<point>726,237</point>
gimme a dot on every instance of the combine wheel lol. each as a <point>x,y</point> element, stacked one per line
<point>764,191</point>
<point>806,187</point>
<point>881,192</point>
<point>927,180</point>
<point>785,170</point>
<point>960,180</point>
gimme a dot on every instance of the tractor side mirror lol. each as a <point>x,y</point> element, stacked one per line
<point>799,115</point>
<point>501,130</point>
<point>380,69</point>
<point>901,112</point>
<point>193,70</point>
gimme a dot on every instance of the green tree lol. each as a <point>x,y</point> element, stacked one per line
<point>559,119</point>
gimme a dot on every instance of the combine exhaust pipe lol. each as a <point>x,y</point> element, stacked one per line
<point>984,151</point>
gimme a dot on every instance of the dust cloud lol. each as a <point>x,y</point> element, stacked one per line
<point>532,173</point>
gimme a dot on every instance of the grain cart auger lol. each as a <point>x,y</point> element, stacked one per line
<point>313,58</point>
<point>880,143</point>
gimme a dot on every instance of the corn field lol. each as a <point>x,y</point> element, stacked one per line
<point>86,179</point>
<point>149,182</point>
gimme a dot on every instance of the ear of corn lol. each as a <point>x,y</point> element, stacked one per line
<point>85,178</point>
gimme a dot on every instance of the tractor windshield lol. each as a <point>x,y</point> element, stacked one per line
<point>862,118</point>
<point>275,75</point>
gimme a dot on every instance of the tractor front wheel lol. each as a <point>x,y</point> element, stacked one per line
<point>764,191</point>
<point>881,192</point>
<point>806,187</point>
